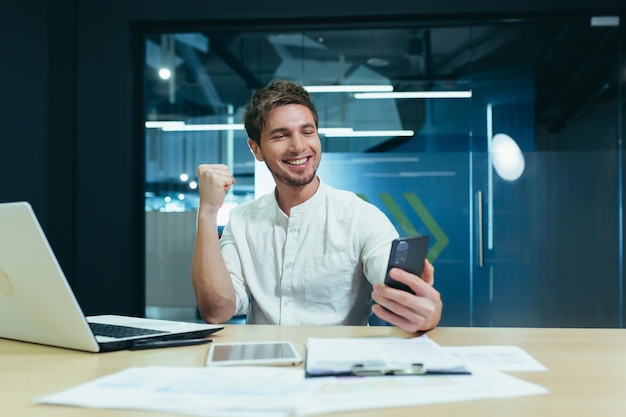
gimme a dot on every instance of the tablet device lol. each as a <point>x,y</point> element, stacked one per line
<point>280,352</point>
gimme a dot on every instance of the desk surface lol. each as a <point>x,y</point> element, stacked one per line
<point>586,369</point>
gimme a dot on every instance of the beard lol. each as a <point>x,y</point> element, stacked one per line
<point>291,180</point>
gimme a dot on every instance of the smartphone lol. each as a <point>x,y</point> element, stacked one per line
<point>409,254</point>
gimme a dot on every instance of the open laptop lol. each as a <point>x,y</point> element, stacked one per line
<point>37,304</point>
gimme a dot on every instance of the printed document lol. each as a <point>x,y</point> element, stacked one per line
<point>265,391</point>
<point>246,391</point>
<point>332,356</point>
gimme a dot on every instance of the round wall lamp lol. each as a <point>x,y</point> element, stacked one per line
<point>507,157</point>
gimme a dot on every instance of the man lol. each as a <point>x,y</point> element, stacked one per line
<point>307,253</point>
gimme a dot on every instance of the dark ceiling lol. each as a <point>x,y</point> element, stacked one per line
<point>574,64</point>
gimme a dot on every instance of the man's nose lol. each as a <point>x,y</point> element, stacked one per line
<point>297,143</point>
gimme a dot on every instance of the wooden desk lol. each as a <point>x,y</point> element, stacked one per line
<point>586,376</point>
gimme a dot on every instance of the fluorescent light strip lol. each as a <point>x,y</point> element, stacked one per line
<point>371,133</point>
<point>604,21</point>
<point>181,127</point>
<point>347,88</point>
<point>160,124</point>
<point>416,94</point>
<point>203,127</point>
<point>330,132</point>
<point>335,131</point>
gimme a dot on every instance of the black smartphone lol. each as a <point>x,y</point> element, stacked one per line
<point>409,254</point>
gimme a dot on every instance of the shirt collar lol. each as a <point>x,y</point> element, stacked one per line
<point>311,204</point>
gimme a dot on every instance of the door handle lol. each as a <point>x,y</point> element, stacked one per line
<point>479,222</point>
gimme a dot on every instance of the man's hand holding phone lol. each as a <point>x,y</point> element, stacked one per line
<point>408,298</point>
<point>409,255</point>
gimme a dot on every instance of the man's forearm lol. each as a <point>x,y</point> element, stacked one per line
<point>215,294</point>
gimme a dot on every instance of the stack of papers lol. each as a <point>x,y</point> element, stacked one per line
<point>242,391</point>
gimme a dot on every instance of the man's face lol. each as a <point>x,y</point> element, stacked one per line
<point>290,145</point>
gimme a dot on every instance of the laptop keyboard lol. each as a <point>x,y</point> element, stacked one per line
<point>111,330</point>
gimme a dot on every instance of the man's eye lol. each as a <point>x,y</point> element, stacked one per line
<point>278,137</point>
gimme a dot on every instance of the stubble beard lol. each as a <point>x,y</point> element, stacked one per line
<point>293,181</point>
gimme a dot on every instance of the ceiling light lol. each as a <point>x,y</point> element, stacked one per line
<point>330,132</point>
<point>416,94</point>
<point>335,131</point>
<point>158,124</point>
<point>348,88</point>
<point>604,21</point>
<point>202,127</point>
<point>165,73</point>
<point>377,62</point>
<point>371,133</point>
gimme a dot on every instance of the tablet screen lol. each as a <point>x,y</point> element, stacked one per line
<point>253,353</point>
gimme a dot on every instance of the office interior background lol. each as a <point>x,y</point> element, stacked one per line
<point>518,179</point>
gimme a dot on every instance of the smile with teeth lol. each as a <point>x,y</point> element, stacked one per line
<point>297,161</point>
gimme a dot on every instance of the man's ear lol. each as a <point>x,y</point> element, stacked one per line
<point>256,150</point>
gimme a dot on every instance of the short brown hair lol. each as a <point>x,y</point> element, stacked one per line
<point>277,93</point>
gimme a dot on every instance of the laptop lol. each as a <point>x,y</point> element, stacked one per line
<point>37,304</point>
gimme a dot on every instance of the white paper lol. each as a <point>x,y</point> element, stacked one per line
<point>278,391</point>
<point>349,394</point>
<point>233,391</point>
<point>339,355</point>
<point>502,358</point>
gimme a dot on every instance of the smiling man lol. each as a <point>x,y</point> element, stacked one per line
<point>307,253</point>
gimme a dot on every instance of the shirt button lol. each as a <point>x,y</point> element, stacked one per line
<point>286,303</point>
<point>288,265</point>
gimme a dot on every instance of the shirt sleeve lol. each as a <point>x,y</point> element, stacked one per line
<point>233,264</point>
<point>375,236</point>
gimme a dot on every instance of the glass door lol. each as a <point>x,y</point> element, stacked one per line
<point>546,178</point>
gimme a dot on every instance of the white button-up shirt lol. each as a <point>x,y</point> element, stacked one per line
<point>316,266</point>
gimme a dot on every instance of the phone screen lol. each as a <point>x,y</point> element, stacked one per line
<point>409,254</point>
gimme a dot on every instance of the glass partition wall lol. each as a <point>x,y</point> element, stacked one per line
<point>501,140</point>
